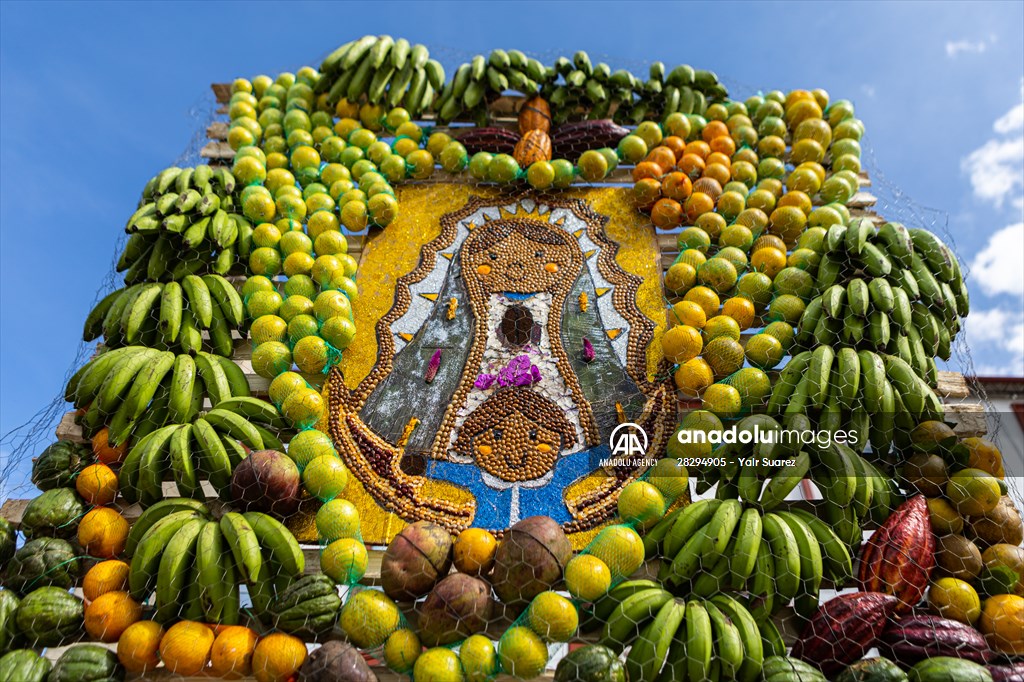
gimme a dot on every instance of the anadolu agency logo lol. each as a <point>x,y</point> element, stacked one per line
<point>628,443</point>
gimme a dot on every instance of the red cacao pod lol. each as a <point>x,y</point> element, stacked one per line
<point>843,629</point>
<point>899,557</point>
<point>915,638</point>
<point>1007,673</point>
<point>535,146</point>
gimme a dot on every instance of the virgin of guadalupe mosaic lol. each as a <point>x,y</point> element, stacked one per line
<point>507,358</point>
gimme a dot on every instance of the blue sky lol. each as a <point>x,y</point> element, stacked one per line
<point>96,97</point>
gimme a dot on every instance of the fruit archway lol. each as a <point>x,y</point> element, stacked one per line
<point>409,310</point>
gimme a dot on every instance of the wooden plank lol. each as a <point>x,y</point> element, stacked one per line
<point>951,385</point>
<point>218,151</point>
<point>969,419</point>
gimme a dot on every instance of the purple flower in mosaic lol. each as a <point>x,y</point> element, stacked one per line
<point>484,381</point>
<point>433,366</point>
<point>519,372</point>
<point>588,350</point>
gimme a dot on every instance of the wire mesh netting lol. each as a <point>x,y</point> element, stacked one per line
<point>524,364</point>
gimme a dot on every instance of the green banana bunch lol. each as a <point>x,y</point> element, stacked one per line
<point>698,639</point>
<point>135,390</point>
<point>208,448</point>
<point>383,71</point>
<point>194,564</point>
<point>169,315</point>
<point>485,78</point>
<point>777,557</point>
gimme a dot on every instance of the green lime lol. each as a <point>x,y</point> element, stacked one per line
<point>263,303</point>
<point>307,445</point>
<point>283,384</point>
<point>270,359</point>
<point>325,477</point>
<point>302,326</point>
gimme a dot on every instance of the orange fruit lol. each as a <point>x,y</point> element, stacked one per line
<point>723,144</point>
<point>104,451</point>
<point>231,655</point>
<point>137,647</point>
<point>663,156</point>
<point>706,298</point>
<point>185,648</point>
<point>647,169</point>
<point>646,192</point>
<point>587,578</point>
<point>277,657</point>
<point>754,218</point>
<point>1002,623</point>
<point>723,400</point>
<point>712,223</point>
<point>681,343</point>
<point>741,310</point>
<point>680,277</point>
<point>709,186</point>
<point>769,260</point>
<point>103,532</point>
<point>694,376</point>
<point>675,143</point>
<point>766,241</point>
<point>954,598</point>
<point>718,274</point>
<point>1010,556</point>
<point>699,148</point>
<point>676,186</point>
<point>718,158</point>
<point>474,550</point>
<point>718,173</point>
<point>714,129</point>
<point>688,313</point>
<point>788,222</point>
<point>97,484</point>
<point>110,614</point>
<point>798,199</point>
<point>692,165</point>
<point>724,355</point>
<point>721,325</point>
<point>666,214</point>
<point>973,491</point>
<point>984,455</point>
<point>106,576</point>
<point>693,257</point>
<point>697,205</point>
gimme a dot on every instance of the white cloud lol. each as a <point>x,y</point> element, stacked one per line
<point>997,268</point>
<point>1014,118</point>
<point>868,90</point>
<point>996,169</point>
<point>955,47</point>
<point>991,331</point>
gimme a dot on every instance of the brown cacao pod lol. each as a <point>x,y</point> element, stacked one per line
<point>535,146</point>
<point>572,139</point>
<point>529,560</point>
<point>489,139</point>
<point>535,115</point>
<point>915,638</point>
<point>899,557</point>
<point>415,560</point>
<point>843,629</point>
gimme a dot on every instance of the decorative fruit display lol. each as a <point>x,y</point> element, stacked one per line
<point>843,629</point>
<point>55,513</point>
<point>136,375</point>
<point>333,662</point>
<point>9,635</point>
<point>211,447</point>
<point>590,663</point>
<point>24,665</point>
<point>457,607</point>
<point>791,310</point>
<point>308,608</point>
<point>915,638</point>
<point>266,481</point>
<point>41,562</point>
<point>899,557</point>
<point>49,616</point>
<point>58,464</point>
<point>176,544</point>
<point>529,560</point>
<point>418,557</point>
<point>86,662</point>
<point>878,668</point>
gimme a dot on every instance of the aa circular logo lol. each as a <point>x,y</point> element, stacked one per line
<point>628,440</point>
